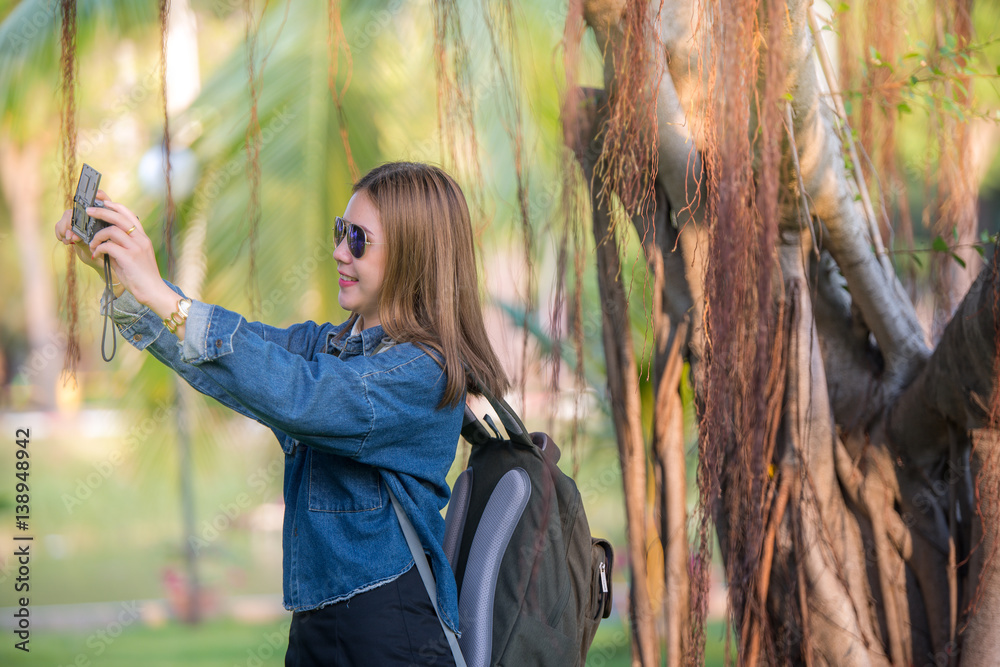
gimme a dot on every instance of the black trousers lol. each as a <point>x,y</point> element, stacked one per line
<point>392,625</point>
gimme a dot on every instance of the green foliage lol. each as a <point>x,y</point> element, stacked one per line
<point>942,247</point>
<point>29,41</point>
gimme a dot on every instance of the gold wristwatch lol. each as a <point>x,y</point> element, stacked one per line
<point>178,317</point>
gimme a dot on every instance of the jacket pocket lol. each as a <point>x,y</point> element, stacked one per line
<point>339,484</point>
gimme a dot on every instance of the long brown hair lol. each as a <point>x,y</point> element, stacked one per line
<point>430,290</point>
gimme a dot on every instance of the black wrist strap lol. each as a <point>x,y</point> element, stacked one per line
<point>107,305</point>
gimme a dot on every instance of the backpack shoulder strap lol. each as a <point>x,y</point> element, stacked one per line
<point>516,431</point>
<point>420,560</point>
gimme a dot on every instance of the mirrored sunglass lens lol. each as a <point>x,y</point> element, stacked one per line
<point>338,232</point>
<point>356,240</point>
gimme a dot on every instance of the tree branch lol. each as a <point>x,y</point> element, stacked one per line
<point>958,385</point>
<point>874,290</point>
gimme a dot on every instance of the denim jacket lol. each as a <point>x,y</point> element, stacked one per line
<point>350,422</point>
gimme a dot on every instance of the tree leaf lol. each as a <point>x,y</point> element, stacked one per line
<point>916,260</point>
<point>939,245</point>
<point>978,248</point>
<point>961,262</point>
<point>903,107</point>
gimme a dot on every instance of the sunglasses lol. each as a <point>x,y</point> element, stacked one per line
<point>356,237</point>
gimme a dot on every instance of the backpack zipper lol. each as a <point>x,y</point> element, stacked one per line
<point>604,580</point>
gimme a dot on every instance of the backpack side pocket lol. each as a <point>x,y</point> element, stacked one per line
<point>601,559</point>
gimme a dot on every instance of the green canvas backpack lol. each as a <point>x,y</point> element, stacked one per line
<point>533,584</point>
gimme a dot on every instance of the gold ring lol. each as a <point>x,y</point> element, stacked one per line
<point>129,232</point>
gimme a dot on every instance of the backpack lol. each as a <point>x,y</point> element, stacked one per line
<point>533,584</point>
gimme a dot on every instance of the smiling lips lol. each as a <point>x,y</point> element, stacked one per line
<point>347,279</point>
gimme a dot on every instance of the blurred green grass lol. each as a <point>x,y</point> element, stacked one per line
<point>611,647</point>
<point>114,534</point>
<point>225,643</point>
<point>222,643</point>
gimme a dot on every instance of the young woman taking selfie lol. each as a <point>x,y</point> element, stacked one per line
<point>371,404</point>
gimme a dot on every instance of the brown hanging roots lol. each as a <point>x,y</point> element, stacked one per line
<point>574,209</point>
<point>168,227</point>
<point>504,32</point>
<point>629,157</point>
<point>456,104</point>
<point>739,319</point>
<point>881,90</point>
<point>335,43</point>
<point>67,128</point>
<point>255,78</point>
<point>253,146</point>
<point>954,209</point>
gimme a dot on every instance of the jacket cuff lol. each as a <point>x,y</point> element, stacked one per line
<point>138,325</point>
<point>208,333</point>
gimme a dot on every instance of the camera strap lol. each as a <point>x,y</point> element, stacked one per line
<point>107,303</point>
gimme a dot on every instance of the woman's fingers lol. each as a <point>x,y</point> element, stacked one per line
<point>118,215</point>
<point>113,234</point>
<point>132,256</point>
<point>123,241</point>
<point>64,229</point>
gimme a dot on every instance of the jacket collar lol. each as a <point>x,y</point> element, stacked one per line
<point>366,342</point>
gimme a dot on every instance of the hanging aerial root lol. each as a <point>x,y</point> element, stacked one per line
<point>877,500</point>
<point>67,131</point>
<point>503,33</point>
<point>805,215</point>
<point>168,227</point>
<point>628,154</point>
<point>335,43</point>
<point>798,548</point>
<point>751,633</point>
<point>848,138</point>
<point>253,146</point>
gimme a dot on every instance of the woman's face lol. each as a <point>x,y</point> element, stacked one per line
<point>361,278</point>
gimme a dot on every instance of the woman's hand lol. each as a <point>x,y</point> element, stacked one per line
<point>125,243</point>
<point>130,251</point>
<point>66,235</point>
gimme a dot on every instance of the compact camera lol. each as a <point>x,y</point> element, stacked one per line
<point>84,225</point>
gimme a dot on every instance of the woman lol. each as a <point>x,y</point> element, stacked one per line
<point>372,403</point>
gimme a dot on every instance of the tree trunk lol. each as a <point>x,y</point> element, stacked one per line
<point>20,175</point>
<point>669,461</point>
<point>880,508</point>
<point>623,389</point>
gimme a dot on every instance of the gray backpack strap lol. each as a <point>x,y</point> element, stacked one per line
<point>420,559</point>
<point>499,520</point>
<point>458,511</point>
